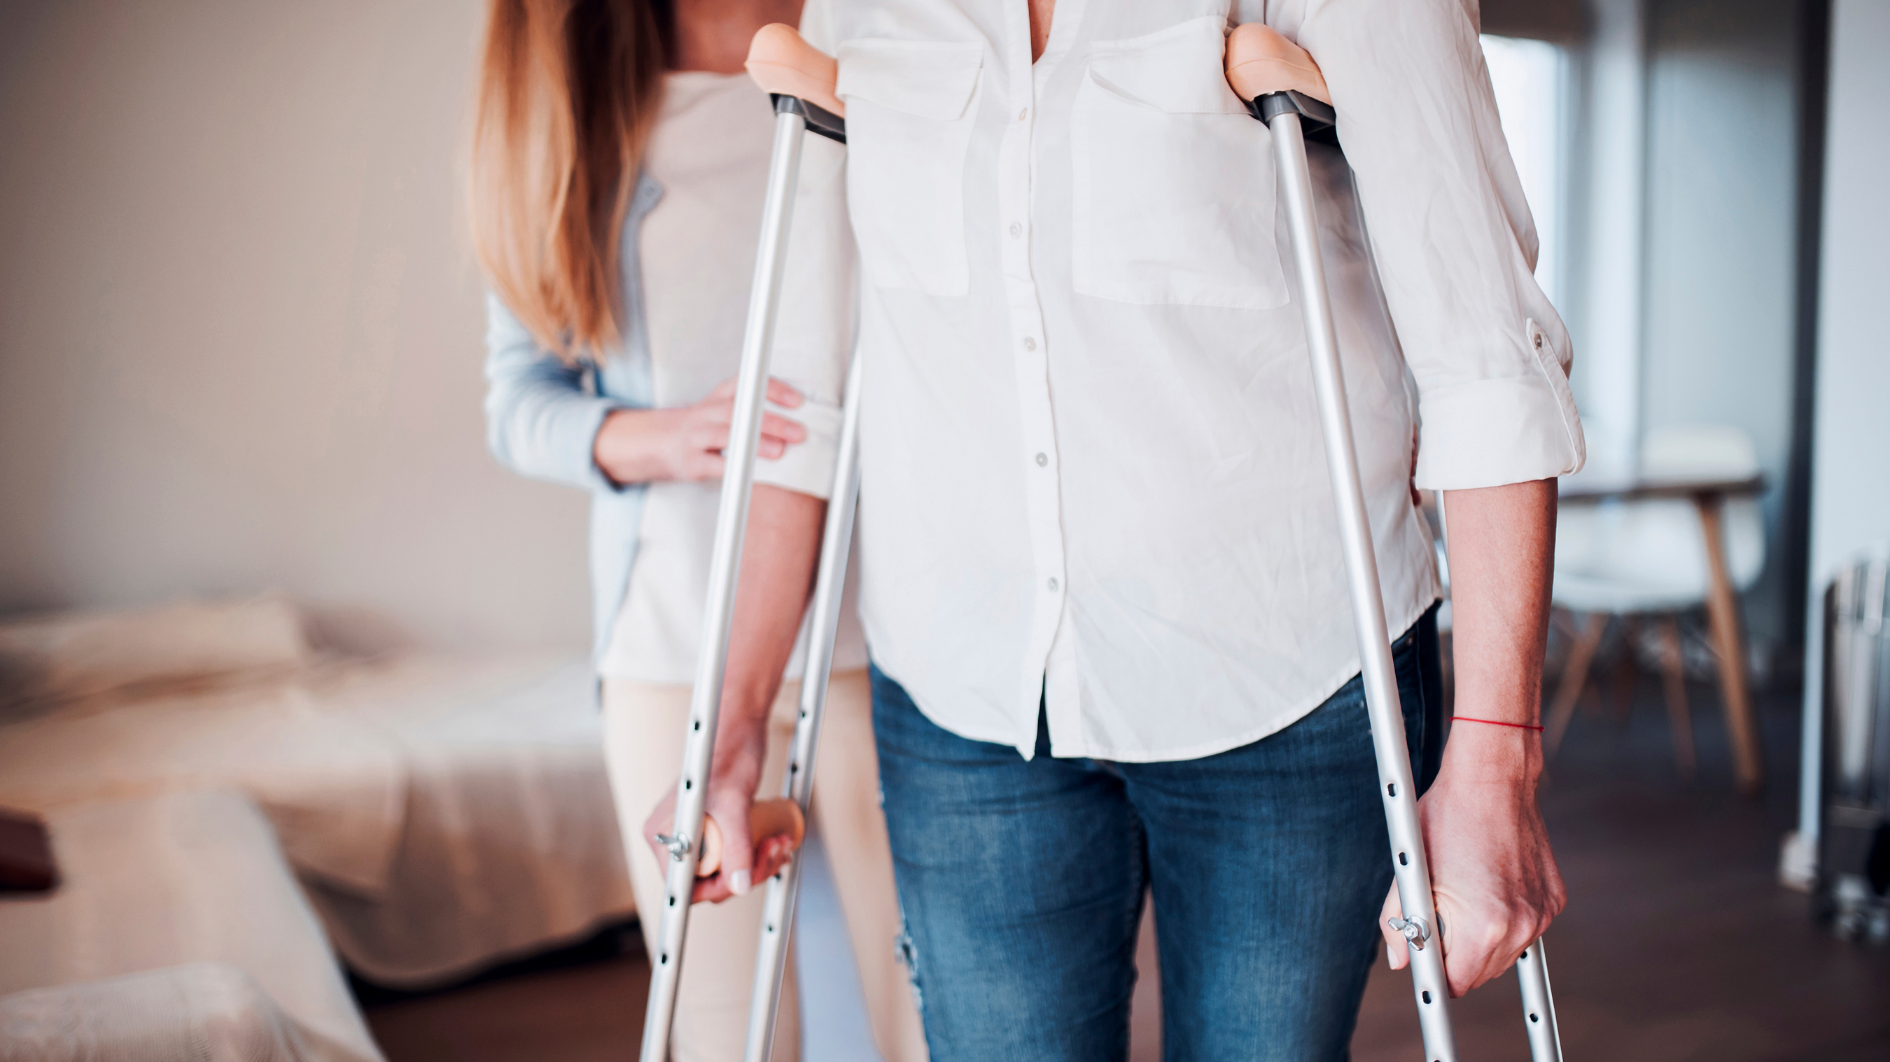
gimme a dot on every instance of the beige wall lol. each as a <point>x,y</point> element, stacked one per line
<point>240,332</point>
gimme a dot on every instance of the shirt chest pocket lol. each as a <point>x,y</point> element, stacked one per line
<point>1173,186</point>
<point>909,119</point>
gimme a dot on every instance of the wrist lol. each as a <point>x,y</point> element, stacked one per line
<point>741,736</point>
<point>1481,752</point>
<point>629,446</point>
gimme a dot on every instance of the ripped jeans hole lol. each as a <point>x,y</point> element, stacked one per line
<point>908,957</point>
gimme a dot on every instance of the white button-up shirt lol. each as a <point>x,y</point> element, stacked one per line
<point>1092,474</point>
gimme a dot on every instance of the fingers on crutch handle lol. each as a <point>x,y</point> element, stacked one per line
<point>1260,62</point>
<point>784,64</point>
<point>767,819</point>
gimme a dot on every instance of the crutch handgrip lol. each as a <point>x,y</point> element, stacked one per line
<point>1260,62</point>
<point>768,818</point>
<point>784,64</point>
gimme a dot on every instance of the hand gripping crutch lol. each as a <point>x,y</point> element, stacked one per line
<point>1282,86</point>
<point>800,80</point>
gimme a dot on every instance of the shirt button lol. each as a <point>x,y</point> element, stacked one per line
<point>1538,338</point>
<point>1053,585</point>
<point>1042,460</point>
<point>1016,229</point>
<point>1029,343</point>
<point>1022,113</point>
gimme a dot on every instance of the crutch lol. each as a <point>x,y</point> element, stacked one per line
<point>800,81</point>
<point>1282,86</point>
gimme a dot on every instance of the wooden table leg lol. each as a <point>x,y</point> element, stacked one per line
<point>1674,689</point>
<point>1723,609</point>
<point>1574,675</point>
<point>1627,672</point>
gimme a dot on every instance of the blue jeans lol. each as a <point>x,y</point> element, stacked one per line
<point>1021,882</point>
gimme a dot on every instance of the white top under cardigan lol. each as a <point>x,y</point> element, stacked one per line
<point>709,151</point>
<point>543,414</point>
<point>1091,460</point>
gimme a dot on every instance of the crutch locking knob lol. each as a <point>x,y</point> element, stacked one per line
<point>678,845</point>
<point>1411,929</point>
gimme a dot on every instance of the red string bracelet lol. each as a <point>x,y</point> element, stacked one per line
<point>1495,722</point>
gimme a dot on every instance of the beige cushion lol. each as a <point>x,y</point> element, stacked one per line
<point>70,656</point>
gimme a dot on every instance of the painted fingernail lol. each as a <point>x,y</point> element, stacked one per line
<point>739,883</point>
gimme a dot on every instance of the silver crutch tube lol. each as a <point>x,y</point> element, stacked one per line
<point>784,888</point>
<point>1532,973</point>
<point>777,59</point>
<point>1368,608</point>
<point>1282,85</point>
<point>731,522</point>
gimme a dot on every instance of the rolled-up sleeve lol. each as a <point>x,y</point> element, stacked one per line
<point>813,336</point>
<point>541,421</point>
<point>1453,240</point>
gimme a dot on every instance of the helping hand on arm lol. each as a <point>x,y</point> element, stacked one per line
<point>685,443</point>
<point>777,574</point>
<point>1492,872</point>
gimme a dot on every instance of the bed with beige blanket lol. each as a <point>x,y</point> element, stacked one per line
<point>178,932</point>
<point>441,813</point>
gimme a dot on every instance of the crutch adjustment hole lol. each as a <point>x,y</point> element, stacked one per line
<point>793,768</point>
<point>1427,997</point>
<point>1391,789</point>
<point>1523,956</point>
<point>1534,1018</point>
<point>672,901</point>
<point>687,784</point>
<point>697,725</point>
<point>664,961</point>
<point>1401,860</point>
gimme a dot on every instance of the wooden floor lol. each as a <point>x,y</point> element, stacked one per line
<point>584,1006</point>
<point>1678,942</point>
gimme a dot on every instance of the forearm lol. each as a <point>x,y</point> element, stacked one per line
<point>538,426</point>
<point>777,575</point>
<point>771,594</point>
<point>1502,548</point>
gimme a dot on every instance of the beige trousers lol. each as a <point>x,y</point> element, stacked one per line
<point>643,740</point>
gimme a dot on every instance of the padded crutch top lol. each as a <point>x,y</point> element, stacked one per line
<point>1260,62</point>
<point>785,65</point>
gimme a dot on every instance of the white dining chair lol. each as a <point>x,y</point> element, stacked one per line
<point>1648,558</point>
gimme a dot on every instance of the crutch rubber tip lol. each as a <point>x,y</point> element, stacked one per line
<point>768,818</point>
<point>785,65</point>
<point>1261,62</point>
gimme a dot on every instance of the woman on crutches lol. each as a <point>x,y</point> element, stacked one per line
<point>1102,577</point>
<point>619,160</point>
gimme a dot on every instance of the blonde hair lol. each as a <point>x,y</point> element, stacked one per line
<point>567,93</point>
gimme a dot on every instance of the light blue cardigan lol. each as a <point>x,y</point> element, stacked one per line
<point>542,416</point>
